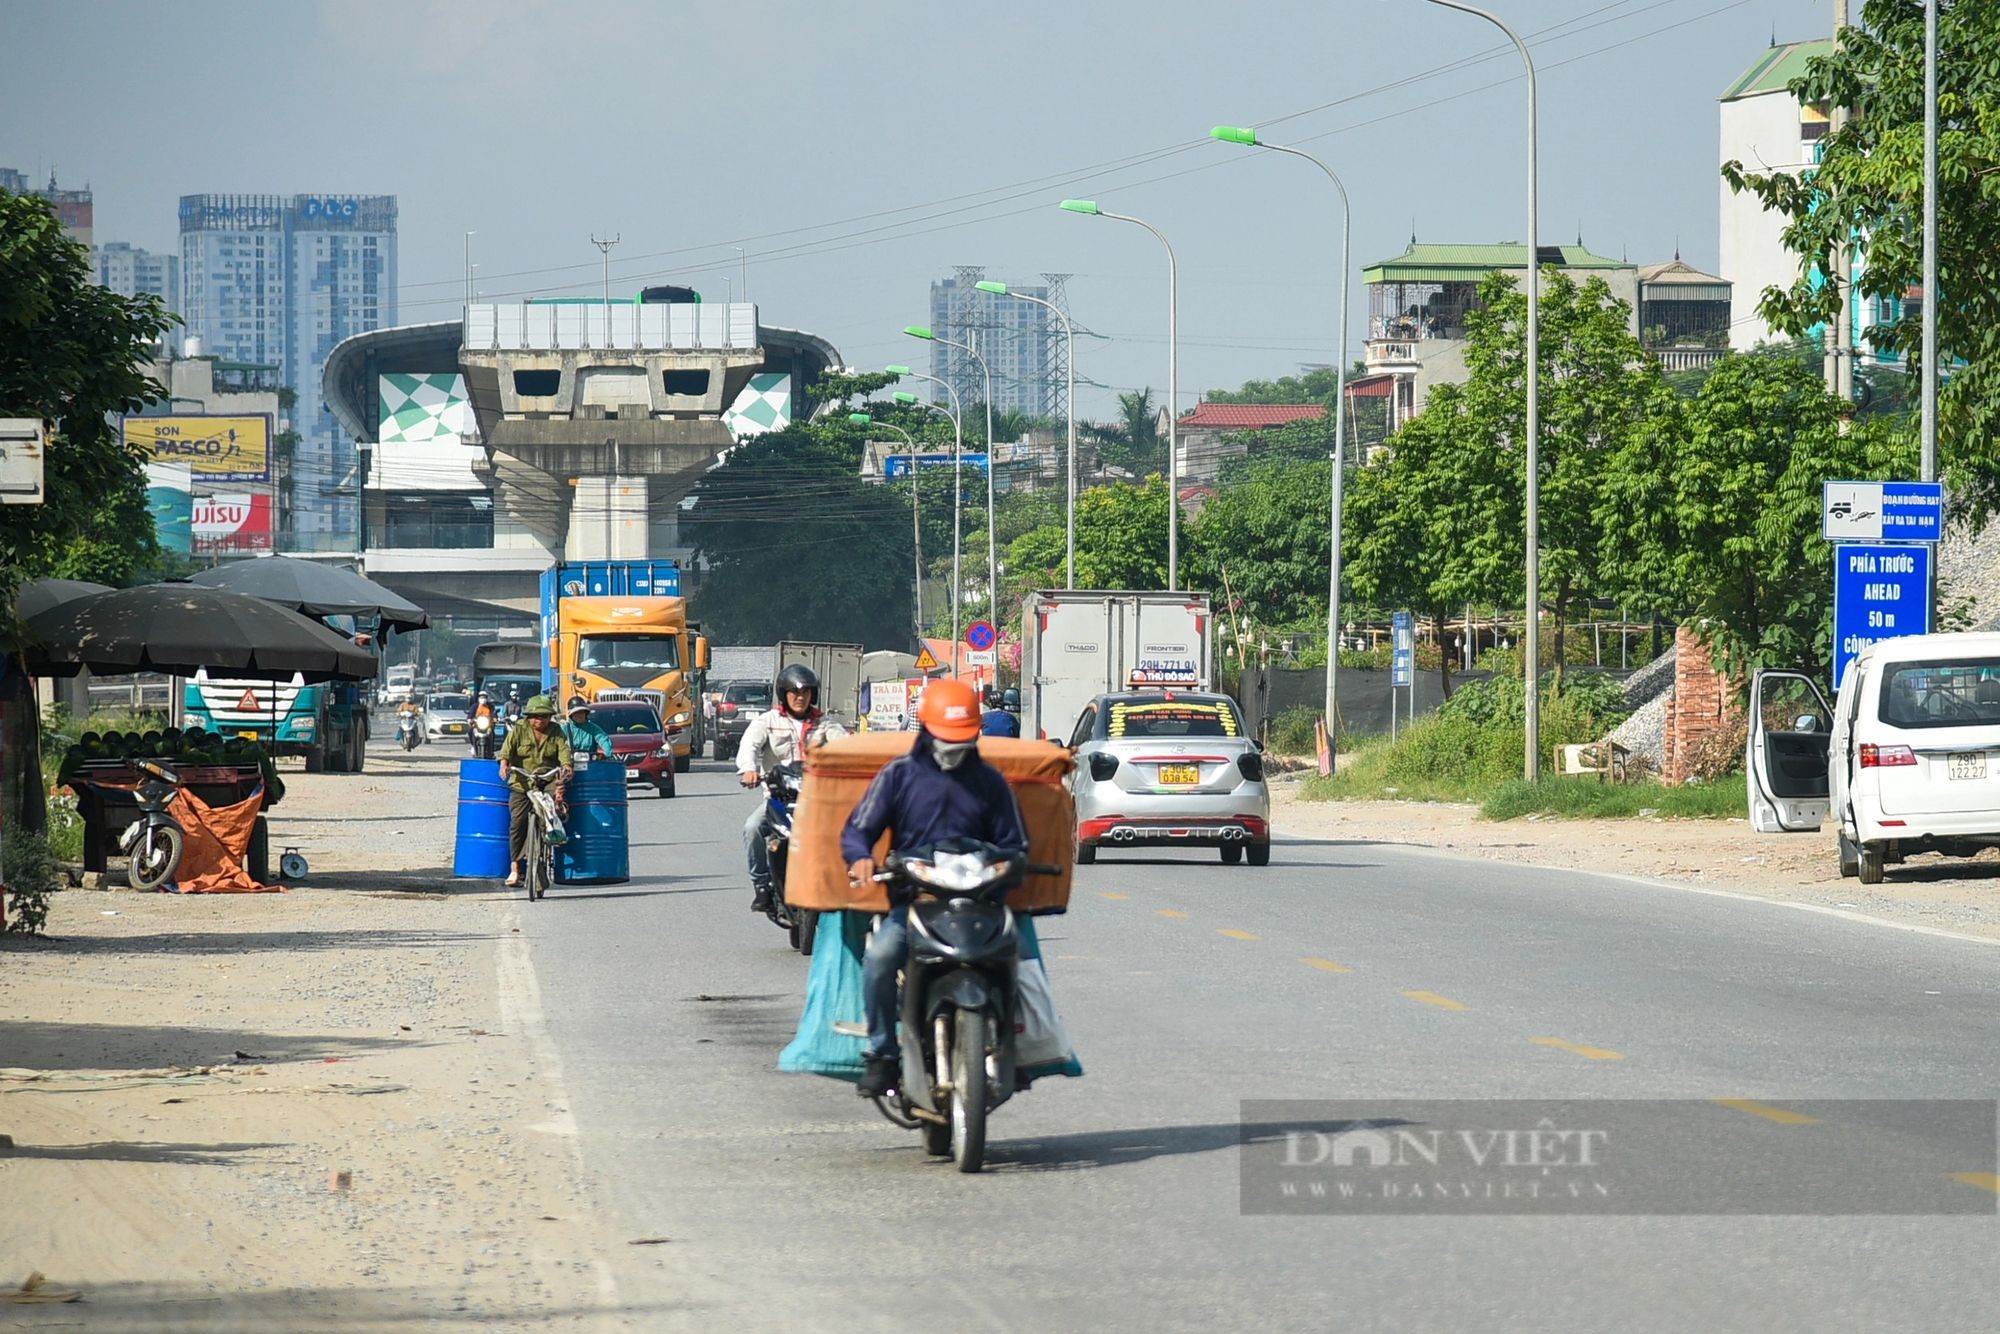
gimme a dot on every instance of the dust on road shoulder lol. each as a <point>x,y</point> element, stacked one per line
<point>1929,891</point>
<point>332,1108</point>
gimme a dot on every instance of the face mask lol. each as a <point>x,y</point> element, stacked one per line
<point>951,754</point>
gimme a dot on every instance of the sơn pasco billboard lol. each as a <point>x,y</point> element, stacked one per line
<point>217,449</point>
<point>240,522</point>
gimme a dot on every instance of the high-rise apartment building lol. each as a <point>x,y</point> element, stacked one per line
<point>1016,338</point>
<point>280,279</point>
<point>74,208</point>
<point>128,271</point>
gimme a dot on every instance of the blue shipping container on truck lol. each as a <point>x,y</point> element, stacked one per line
<point>601,579</point>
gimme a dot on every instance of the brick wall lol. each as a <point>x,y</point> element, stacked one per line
<point>1702,703</point>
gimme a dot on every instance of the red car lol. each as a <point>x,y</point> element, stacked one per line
<point>638,739</point>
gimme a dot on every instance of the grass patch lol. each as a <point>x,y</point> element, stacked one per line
<point>1586,799</point>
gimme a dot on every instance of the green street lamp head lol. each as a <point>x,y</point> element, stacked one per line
<point>998,289</point>
<point>860,418</point>
<point>918,331</point>
<point>1081,205</point>
<point>902,397</point>
<point>898,370</point>
<point>1233,134</point>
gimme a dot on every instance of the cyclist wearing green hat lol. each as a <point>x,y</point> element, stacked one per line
<point>534,749</point>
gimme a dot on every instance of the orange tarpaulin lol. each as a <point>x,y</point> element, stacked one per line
<point>216,839</point>
<point>839,772</point>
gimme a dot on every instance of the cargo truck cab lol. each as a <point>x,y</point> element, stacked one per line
<point>631,648</point>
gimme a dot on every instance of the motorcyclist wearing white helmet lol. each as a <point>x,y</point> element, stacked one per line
<point>777,737</point>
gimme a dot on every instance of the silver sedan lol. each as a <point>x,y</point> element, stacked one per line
<point>1169,768</point>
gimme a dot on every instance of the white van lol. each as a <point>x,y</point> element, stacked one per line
<point>1912,755</point>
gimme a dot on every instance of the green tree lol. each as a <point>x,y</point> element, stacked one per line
<point>1121,541</point>
<point>1133,441</point>
<point>1712,512</point>
<point>1315,386</point>
<point>1265,537</point>
<point>1867,193</point>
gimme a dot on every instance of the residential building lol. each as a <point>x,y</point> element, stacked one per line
<point>130,271</point>
<point>1418,303</point>
<point>1683,315</point>
<point>1766,129</point>
<point>280,279</point>
<point>1214,432</point>
<point>73,207</point>
<point>1018,340</point>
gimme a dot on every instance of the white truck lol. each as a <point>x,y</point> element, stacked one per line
<point>838,667</point>
<point>1078,644</point>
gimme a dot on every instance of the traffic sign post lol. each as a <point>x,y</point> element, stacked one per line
<point>980,636</point>
<point>1402,660</point>
<point>1879,592</point>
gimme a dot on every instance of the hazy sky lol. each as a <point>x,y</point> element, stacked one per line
<point>858,151</point>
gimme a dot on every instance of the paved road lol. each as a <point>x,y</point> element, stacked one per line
<point>1112,1201</point>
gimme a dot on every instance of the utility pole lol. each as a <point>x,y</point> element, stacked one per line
<point>1840,333</point>
<point>468,266</point>
<point>605,248</point>
<point>1930,353</point>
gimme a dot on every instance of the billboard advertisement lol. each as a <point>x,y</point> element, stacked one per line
<point>240,522</point>
<point>215,449</point>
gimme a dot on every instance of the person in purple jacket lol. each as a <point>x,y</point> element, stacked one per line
<point>941,790</point>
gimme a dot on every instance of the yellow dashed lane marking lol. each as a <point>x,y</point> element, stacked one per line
<point>1324,965</point>
<point>1107,894</point>
<point>1768,1112</point>
<point>1983,1180</point>
<point>1235,934</point>
<point>1432,998</point>
<point>1588,1053</point>
<point>1169,912</point>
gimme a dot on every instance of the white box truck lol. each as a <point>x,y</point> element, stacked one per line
<point>1081,643</point>
<point>838,667</point>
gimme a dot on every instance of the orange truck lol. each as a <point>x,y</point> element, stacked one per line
<point>627,646</point>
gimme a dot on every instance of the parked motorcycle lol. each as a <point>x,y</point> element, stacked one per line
<point>960,995</point>
<point>781,794</point>
<point>545,832</point>
<point>155,840</point>
<point>409,731</point>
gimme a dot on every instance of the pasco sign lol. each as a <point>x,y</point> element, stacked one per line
<point>218,449</point>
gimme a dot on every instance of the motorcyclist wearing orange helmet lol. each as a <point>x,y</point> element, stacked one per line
<point>941,790</point>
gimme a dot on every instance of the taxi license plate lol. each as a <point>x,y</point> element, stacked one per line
<point>1180,775</point>
<point>1968,766</point>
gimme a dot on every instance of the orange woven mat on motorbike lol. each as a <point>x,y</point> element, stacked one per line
<point>215,839</point>
<point>839,772</point>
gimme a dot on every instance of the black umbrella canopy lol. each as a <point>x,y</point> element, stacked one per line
<point>315,589</point>
<point>180,628</point>
<point>38,595</point>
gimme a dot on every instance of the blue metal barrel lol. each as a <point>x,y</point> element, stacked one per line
<point>482,821</point>
<point>597,851</point>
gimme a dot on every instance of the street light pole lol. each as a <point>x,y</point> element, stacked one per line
<point>1090,207</point>
<point>916,519</point>
<point>1929,460</point>
<point>1069,336</point>
<point>1532,685</point>
<point>955,416</point>
<point>1229,134</point>
<point>605,247</point>
<point>992,545</point>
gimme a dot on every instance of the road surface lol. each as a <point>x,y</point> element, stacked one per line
<point>1341,971</point>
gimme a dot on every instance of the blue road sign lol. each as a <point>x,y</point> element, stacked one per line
<point>1403,648</point>
<point>1879,592</point>
<point>979,636</point>
<point>1882,512</point>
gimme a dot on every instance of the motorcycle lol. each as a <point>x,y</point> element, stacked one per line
<point>781,795</point>
<point>545,833</point>
<point>960,995</point>
<point>155,840</point>
<point>409,731</point>
<point>480,736</point>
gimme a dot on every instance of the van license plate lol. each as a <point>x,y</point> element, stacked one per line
<point>1968,766</point>
<point>1180,774</point>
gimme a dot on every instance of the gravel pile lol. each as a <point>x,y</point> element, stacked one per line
<point>1969,574</point>
<point>1651,681</point>
<point>1645,732</point>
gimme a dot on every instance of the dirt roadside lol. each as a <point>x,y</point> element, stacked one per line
<point>1929,891</point>
<point>185,1077</point>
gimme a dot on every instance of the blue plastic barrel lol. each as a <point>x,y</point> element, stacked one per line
<point>597,851</point>
<point>482,821</point>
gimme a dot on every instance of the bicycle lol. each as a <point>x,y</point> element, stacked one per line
<point>545,832</point>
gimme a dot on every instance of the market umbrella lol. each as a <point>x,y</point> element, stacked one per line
<point>316,590</point>
<point>181,628</point>
<point>38,595</point>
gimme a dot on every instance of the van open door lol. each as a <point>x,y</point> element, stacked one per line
<point>1784,764</point>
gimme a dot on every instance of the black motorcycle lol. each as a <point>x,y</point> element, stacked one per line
<point>155,840</point>
<point>959,995</point>
<point>781,795</point>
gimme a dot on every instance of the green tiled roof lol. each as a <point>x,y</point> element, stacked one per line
<point>1776,68</point>
<point>1468,263</point>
